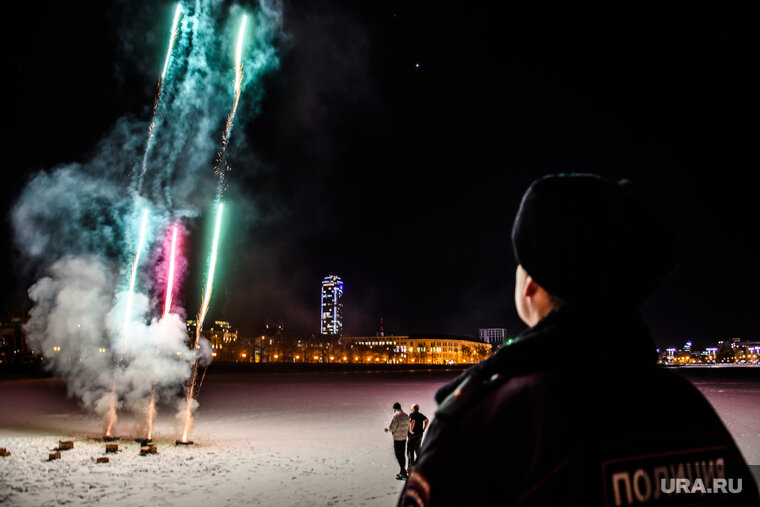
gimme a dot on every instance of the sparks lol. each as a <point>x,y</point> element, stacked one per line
<point>151,412</point>
<point>221,167</point>
<point>187,414</point>
<point>111,415</point>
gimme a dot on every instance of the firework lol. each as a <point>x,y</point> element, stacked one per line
<point>170,280</point>
<point>187,415</point>
<point>150,410</point>
<point>156,100</point>
<point>111,415</point>
<point>151,413</point>
<point>239,57</point>
<point>221,167</point>
<point>133,277</point>
<point>172,36</point>
<point>211,268</point>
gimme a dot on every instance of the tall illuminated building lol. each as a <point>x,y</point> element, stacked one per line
<point>332,305</point>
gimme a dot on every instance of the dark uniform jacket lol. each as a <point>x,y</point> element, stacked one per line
<point>576,412</point>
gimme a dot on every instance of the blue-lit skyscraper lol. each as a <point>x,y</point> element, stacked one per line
<point>332,305</point>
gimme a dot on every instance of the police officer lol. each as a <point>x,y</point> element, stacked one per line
<point>575,411</point>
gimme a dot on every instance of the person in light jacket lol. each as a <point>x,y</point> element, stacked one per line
<point>399,427</point>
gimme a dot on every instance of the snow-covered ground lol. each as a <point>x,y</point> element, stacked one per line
<point>734,392</point>
<point>268,439</point>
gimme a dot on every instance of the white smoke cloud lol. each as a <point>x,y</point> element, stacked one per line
<point>67,324</point>
<point>81,333</point>
<point>203,353</point>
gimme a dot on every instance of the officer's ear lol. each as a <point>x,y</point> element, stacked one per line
<point>531,287</point>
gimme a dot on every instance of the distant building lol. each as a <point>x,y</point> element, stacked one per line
<point>332,306</point>
<point>736,350</point>
<point>733,350</point>
<point>223,340</point>
<point>225,345</point>
<point>414,349</point>
<point>13,348</point>
<point>493,335</point>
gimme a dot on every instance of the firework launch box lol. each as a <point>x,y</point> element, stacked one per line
<point>112,448</point>
<point>4,453</point>
<point>148,449</point>
<point>102,460</point>
<point>65,445</point>
<point>54,455</point>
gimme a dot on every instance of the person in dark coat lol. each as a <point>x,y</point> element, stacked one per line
<point>417,425</point>
<point>575,411</point>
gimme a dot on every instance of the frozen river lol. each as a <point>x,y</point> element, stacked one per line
<point>284,439</point>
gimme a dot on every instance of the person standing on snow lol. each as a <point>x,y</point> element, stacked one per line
<point>399,428</point>
<point>417,425</point>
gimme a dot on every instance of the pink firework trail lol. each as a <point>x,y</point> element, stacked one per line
<point>170,265</point>
<point>170,281</point>
<point>150,410</point>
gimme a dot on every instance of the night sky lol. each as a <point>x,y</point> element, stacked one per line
<point>396,139</point>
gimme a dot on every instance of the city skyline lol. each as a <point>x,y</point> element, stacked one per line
<point>394,153</point>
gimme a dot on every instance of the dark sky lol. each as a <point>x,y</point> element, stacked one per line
<point>395,141</point>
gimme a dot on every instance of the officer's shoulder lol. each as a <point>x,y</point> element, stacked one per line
<point>492,392</point>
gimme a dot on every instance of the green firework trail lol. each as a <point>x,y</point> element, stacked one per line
<point>159,87</point>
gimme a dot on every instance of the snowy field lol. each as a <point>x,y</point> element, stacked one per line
<point>734,392</point>
<point>260,439</point>
<point>268,439</point>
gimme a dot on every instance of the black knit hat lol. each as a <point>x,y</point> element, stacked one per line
<point>589,240</point>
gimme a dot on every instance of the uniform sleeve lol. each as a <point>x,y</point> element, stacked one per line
<point>470,456</point>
